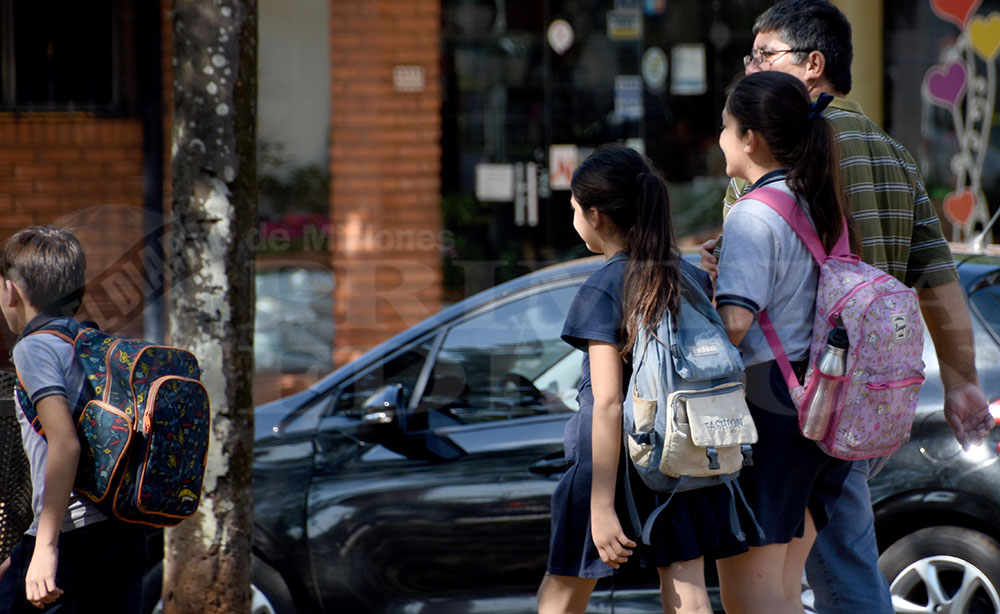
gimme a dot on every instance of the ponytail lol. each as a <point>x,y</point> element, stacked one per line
<point>815,174</point>
<point>651,277</point>
<point>623,184</point>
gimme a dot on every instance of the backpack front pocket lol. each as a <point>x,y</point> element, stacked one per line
<point>876,418</point>
<point>715,421</point>
<point>176,424</point>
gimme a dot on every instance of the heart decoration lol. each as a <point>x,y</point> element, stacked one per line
<point>944,85</point>
<point>958,207</point>
<point>955,11</point>
<point>985,36</point>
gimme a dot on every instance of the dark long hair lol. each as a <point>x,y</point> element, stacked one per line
<point>776,106</point>
<point>624,185</point>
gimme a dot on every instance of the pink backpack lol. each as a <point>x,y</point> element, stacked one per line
<point>884,369</point>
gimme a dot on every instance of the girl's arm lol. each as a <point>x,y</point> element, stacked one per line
<point>60,471</point>
<point>606,440</point>
<point>737,321</point>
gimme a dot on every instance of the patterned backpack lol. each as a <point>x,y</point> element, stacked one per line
<point>884,370</point>
<point>686,422</point>
<point>143,424</point>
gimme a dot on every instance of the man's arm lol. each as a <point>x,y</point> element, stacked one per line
<point>947,317</point>
<point>60,471</point>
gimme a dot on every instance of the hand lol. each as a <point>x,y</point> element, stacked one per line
<point>708,260</point>
<point>4,566</point>
<point>612,543</point>
<point>968,414</point>
<point>40,583</point>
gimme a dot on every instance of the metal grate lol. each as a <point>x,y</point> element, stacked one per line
<point>15,481</point>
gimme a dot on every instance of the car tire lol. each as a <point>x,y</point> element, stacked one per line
<point>269,595</point>
<point>964,563</point>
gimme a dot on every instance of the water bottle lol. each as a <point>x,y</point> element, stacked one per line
<point>822,396</point>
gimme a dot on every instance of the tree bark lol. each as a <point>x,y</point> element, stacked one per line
<point>211,289</point>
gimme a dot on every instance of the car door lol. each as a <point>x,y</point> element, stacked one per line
<point>450,500</point>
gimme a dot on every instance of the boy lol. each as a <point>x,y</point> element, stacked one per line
<point>72,559</point>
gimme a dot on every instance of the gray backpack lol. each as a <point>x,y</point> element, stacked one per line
<point>686,421</point>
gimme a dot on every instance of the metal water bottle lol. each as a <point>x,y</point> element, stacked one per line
<point>821,398</point>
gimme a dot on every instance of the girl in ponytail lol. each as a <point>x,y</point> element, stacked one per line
<point>621,210</point>
<point>773,135</point>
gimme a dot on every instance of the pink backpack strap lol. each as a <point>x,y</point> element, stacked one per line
<point>784,204</point>
<point>767,327</point>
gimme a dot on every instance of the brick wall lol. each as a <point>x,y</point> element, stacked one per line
<point>86,173</point>
<point>385,161</point>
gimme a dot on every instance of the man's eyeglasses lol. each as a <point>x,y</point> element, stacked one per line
<point>758,56</point>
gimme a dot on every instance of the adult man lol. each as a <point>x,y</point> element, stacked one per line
<point>901,234</point>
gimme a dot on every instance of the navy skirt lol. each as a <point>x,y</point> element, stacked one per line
<point>790,473</point>
<point>695,523</point>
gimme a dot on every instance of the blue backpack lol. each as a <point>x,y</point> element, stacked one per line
<point>686,421</point>
<point>143,424</point>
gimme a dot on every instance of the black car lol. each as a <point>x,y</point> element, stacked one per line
<point>418,477</point>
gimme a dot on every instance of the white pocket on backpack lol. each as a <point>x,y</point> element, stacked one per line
<point>716,418</point>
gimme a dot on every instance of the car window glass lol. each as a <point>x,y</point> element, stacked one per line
<point>404,368</point>
<point>506,362</point>
<point>986,303</point>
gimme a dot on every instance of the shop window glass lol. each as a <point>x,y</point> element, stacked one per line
<point>60,55</point>
<point>939,136</point>
<point>509,95</point>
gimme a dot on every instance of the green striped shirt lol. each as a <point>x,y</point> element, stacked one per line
<point>899,228</point>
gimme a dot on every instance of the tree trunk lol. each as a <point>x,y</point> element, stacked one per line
<point>211,292</point>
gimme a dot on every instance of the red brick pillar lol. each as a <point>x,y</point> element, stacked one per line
<point>385,157</point>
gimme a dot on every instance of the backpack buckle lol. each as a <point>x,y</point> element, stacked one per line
<point>713,457</point>
<point>747,451</point>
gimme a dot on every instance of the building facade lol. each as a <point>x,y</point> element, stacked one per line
<point>449,132</point>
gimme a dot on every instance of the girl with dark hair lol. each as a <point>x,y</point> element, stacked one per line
<point>773,135</point>
<point>621,210</point>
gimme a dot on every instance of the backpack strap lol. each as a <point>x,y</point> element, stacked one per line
<point>64,328</point>
<point>784,204</point>
<point>767,327</point>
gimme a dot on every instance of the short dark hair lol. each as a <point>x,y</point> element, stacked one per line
<point>814,24</point>
<point>49,265</point>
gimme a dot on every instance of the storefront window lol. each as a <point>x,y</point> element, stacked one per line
<point>532,87</point>
<point>941,104</point>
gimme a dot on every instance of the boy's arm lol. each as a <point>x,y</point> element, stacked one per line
<point>60,472</point>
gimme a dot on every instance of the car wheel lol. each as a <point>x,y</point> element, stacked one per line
<point>268,593</point>
<point>944,569</point>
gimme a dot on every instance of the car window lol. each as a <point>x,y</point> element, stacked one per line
<point>506,362</point>
<point>404,368</point>
<point>986,303</point>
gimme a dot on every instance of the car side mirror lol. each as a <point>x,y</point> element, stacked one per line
<point>384,407</point>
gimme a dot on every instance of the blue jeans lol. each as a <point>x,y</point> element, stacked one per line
<point>842,568</point>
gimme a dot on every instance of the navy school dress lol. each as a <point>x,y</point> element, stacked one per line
<point>695,524</point>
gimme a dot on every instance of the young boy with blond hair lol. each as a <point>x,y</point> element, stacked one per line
<point>72,559</point>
